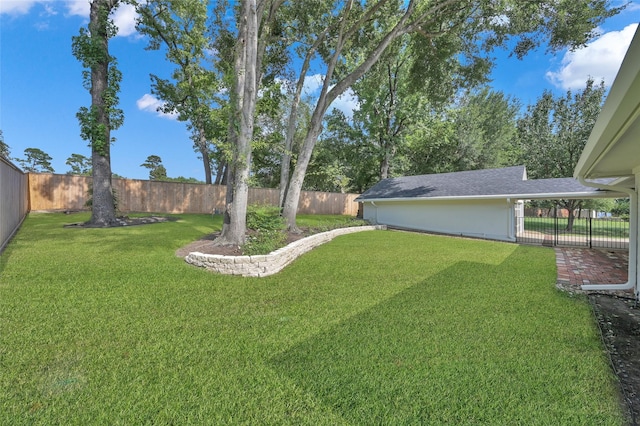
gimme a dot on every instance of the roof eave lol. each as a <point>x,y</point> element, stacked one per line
<point>529,196</point>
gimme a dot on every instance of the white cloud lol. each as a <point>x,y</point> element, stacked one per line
<point>22,7</point>
<point>16,7</point>
<point>600,59</point>
<point>312,84</point>
<point>124,16</point>
<point>632,7</point>
<point>125,19</point>
<point>150,103</point>
<point>78,8</point>
<point>347,103</point>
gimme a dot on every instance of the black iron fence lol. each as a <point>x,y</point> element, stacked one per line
<point>592,232</point>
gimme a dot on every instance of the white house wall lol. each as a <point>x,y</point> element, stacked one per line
<point>492,219</point>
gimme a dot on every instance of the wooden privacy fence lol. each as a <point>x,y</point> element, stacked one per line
<point>51,192</point>
<point>14,200</point>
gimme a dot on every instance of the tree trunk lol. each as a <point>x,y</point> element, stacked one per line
<point>571,206</point>
<point>325,99</point>
<point>570,220</point>
<point>103,208</point>
<point>241,127</point>
<point>221,173</point>
<point>285,171</point>
<point>290,207</point>
<point>285,164</point>
<point>384,166</point>
<point>204,151</point>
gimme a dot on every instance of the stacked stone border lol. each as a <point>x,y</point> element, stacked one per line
<point>274,262</point>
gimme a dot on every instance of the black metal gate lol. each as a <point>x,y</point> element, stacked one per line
<point>553,227</point>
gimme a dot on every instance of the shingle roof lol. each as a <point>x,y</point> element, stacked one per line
<point>508,181</point>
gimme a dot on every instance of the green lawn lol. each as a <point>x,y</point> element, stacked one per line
<point>599,227</point>
<point>107,326</point>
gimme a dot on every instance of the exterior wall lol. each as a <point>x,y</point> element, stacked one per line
<point>491,219</point>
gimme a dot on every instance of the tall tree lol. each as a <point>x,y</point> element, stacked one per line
<point>102,79</point>
<point>554,131</point>
<point>243,105</point>
<point>430,146</point>
<point>256,38</point>
<point>37,161</point>
<point>485,130</point>
<point>156,170</point>
<point>389,104</point>
<point>80,165</point>
<point>181,27</point>
<point>4,148</point>
<point>453,36</point>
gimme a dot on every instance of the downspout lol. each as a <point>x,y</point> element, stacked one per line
<point>633,240</point>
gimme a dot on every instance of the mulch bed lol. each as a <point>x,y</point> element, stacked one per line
<point>205,244</point>
<point>619,322</point>
<point>124,221</point>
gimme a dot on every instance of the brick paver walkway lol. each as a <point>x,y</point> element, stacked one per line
<point>577,266</point>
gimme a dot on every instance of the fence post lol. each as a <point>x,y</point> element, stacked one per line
<point>590,231</point>
<point>555,225</point>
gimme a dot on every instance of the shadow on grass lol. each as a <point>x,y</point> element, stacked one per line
<point>475,343</point>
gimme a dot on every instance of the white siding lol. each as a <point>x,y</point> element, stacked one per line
<point>492,219</point>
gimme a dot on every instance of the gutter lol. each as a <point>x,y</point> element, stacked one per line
<point>633,240</point>
<point>522,196</point>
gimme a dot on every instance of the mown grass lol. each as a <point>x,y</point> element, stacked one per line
<point>107,326</point>
<point>599,227</point>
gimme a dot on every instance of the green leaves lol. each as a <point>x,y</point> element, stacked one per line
<point>156,170</point>
<point>4,148</point>
<point>90,47</point>
<point>36,160</point>
<point>80,165</point>
<point>554,130</point>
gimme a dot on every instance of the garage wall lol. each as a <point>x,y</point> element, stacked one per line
<point>492,219</point>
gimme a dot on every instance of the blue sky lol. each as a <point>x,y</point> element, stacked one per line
<point>41,84</point>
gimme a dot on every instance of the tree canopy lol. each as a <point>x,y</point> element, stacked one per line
<point>157,171</point>
<point>80,165</point>
<point>554,131</point>
<point>36,160</point>
<point>5,151</point>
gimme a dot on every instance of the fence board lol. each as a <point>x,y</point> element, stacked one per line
<point>54,192</point>
<point>14,200</point>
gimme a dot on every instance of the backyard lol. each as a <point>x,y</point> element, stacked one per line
<point>108,326</point>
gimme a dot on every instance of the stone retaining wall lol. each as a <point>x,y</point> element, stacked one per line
<point>269,264</point>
